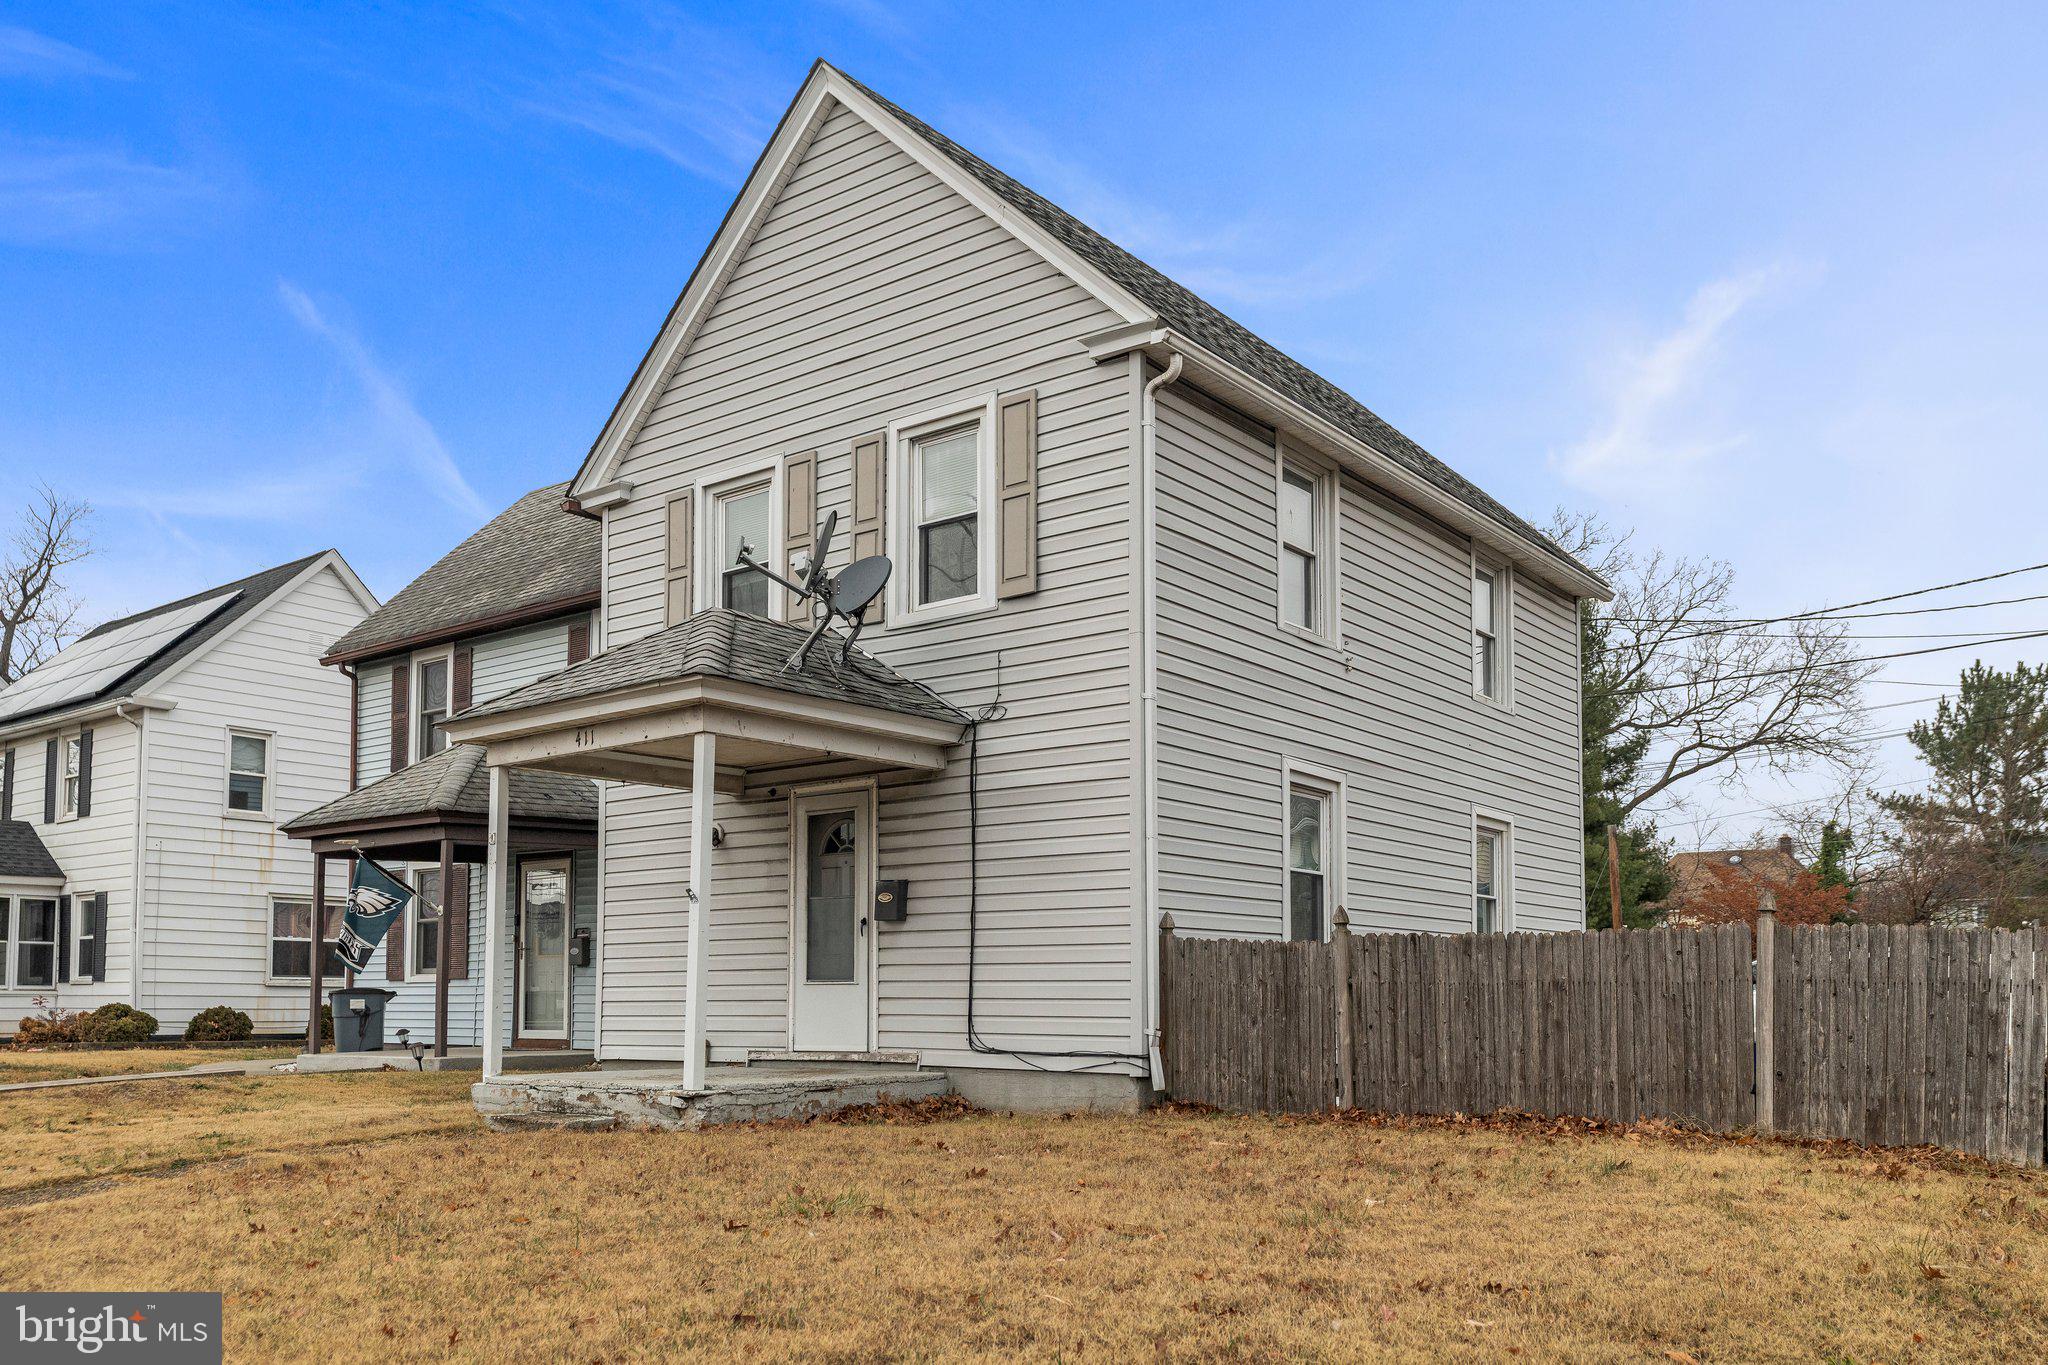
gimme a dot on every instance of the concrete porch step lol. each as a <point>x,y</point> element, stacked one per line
<point>650,1097</point>
<point>458,1059</point>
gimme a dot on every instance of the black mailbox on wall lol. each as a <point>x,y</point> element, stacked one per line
<point>892,901</point>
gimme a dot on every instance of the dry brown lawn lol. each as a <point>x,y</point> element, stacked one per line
<point>58,1065</point>
<point>1173,1234</point>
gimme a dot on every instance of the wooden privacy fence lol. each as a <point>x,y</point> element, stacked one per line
<point>1881,1035</point>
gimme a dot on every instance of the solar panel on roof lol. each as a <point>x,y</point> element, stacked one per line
<point>85,667</point>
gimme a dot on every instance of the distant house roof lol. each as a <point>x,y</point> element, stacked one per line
<point>728,644</point>
<point>248,594</point>
<point>455,783</point>
<point>531,560</point>
<point>22,853</point>
<point>1694,872</point>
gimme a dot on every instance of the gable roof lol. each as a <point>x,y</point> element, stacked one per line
<point>250,594</point>
<point>721,643</point>
<point>22,853</point>
<point>455,782</point>
<point>1158,298</point>
<point>532,560</point>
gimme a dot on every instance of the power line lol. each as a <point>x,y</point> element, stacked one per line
<point>1839,615</point>
<point>1858,635</point>
<point>1866,602</point>
<point>1863,658</point>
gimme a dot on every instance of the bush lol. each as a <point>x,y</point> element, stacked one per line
<point>219,1024</point>
<point>116,1023</point>
<point>47,1026</point>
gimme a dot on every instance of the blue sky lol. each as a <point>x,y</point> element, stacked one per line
<point>1764,282</point>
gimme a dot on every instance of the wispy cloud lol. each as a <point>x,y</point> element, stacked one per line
<point>413,435</point>
<point>1654,429</point>
<point>63,193</point>
<point>290,501</point>
<point>24,52</point>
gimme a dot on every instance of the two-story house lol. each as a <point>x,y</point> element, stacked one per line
<point>511,604</point>
<point>1174,625</point>
<point>147,769</point>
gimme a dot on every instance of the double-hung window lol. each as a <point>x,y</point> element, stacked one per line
<point>1306,501</point>
<point>1491,651</point>
<point>946,495</point>
<point>1314,825</point>
<point>73,757</point>
<point>291,934</point>
<point>35,942</point>
<point>432,735</point>
<point>248,772</point>
<point>1490,878</point>
<point>744,516</point>
<point>426,920</point>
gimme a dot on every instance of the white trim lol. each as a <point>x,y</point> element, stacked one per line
<point>1503,573</point>
<point>1328,549</point>
<point>78,900</point>
<point>11,940</point>
<point>412,922</point>
<point>525,863</point>
<point>241,623</point>
<point>229,734</point>
<point>901,512</point>
<point>1330,785</point>
<point>866,793</point>
<point>42,727</point>
<point>1490,821</point>
<point>705,491</point>
<point>67,802</point>
<point>415,740</point>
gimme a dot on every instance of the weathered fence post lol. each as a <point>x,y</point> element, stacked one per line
<point>1766,1012</point>
<point>1159,1039</point>
<point>1340,975</point>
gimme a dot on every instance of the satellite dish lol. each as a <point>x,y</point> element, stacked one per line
<point>844,596</point>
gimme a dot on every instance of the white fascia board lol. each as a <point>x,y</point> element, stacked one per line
<point>1296,419</point>
<point>79,715</point>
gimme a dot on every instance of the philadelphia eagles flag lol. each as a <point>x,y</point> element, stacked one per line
<point>375,900</point>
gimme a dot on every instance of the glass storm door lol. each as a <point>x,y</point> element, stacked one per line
<point>544,949</point>
<point>830,939</point>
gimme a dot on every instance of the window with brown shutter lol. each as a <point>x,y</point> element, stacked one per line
<point>677,559</point>
<point>799,507</point>
<point>1017,494</point>
<point>401,715</point>
<point>870,503</point>
<point>579,642</point>
<point>465,677</point>
<point>457,911</point>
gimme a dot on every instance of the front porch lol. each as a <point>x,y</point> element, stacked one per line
<point>657,1097</point>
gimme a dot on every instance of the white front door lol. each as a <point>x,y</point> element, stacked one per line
<point>831,935</point>
<point>544,950</point>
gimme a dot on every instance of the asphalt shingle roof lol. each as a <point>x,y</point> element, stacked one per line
<point>22,853</point>
<point>728,644</point>
<point>254,591</point>
<point>531,557</point>
<point>1180,309</point>
<point>456,782</point>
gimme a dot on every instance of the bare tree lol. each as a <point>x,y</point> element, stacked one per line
<point>38,615</point>
<point>1719,699</point>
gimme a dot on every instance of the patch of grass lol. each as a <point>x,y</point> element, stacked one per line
<point>1172,1234</point>
<point>62,1065</point>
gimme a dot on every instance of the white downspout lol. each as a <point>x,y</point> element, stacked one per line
<point>139,866</point>
<point>1148,457</point>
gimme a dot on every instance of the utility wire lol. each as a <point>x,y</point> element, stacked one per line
<point>1866,602</point>
<point>1834,613</point>
<point>1864,658</point>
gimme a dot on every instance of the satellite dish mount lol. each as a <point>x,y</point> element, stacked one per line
<point>844,596</point>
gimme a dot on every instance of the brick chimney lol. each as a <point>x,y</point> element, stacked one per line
<point>1785,844</point>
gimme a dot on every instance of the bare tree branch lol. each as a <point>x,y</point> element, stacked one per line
<point>38,616</point>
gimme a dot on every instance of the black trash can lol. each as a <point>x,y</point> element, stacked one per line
<point>359,1018</point>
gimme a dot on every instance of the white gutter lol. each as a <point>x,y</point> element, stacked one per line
<point>1148,731</point>
<point>59,720</point>
<point>1259,398</point>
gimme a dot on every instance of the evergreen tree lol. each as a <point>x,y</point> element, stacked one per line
<point>1611,760</point>
<point>1832,866</point>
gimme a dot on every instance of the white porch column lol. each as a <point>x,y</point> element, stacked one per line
<point>704,773</point>
<point>497,892</point>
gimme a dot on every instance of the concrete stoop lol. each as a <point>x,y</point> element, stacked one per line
<point>655,1097</point>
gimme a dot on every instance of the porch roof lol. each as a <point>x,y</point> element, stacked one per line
<point>451,786</point>
<point>22,854</point>
<point>631,713</point>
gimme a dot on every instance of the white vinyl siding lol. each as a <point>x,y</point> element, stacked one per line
<point>874,295</point>
<point>1391,712</point>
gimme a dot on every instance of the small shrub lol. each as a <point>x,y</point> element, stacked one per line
<point>116,1023</point>
<point>48,1025</point>
<point>219,1024</point>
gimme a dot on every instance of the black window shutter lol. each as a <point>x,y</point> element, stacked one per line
<point>94,968</point>
<point>50,783</point>
<point>7,786</point>
<point>63,939</point>
<point>85,772</point>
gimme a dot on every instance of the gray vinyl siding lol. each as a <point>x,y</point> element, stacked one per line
<point>1391,710</point>
<point>873,292</point>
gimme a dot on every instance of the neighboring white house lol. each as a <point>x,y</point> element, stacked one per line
<point>514,602</point>
<point>1174,625</point>
<point>147,771</point>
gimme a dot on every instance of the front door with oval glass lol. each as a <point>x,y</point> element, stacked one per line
<point>831,931</point>
<point>543,950</point>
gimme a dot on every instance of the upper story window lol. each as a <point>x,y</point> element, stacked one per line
<point>1308,535</point>
<point>744,516</point>
<point>941,487</point>
<point>431,737</point>
<point>1489,878</point>
<point>248,772</point>
<point>1492,665</point>
<point>71,753</point>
